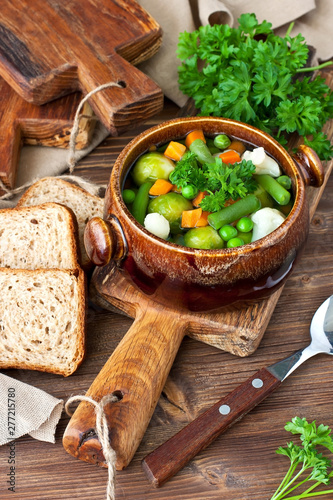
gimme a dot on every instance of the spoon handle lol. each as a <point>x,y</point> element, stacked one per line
<point>164,462</point>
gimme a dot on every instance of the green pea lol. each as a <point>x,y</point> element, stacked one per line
<point>285,181</point>
<point>235,242</point>
<point>128,196</point>
<point>227,232</point>
<point>189,192</point>
<point>222,141</point>
<point>244,225</point>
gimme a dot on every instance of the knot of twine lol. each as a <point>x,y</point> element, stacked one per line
<point>102,431</point>
<point>71,162</point>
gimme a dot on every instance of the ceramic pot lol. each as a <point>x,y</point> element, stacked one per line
<point>202,280</point>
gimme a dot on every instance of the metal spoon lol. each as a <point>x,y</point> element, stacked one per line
<point>173,455</point>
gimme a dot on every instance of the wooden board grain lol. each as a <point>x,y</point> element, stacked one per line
<point>49,125</point>
<point>49,49</point>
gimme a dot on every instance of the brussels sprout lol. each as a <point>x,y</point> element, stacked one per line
<point>171,206</point>
<point>150,167</point>
<point>206,238</point>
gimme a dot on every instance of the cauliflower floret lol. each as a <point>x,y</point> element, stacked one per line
<point>265,221</point>
<point>157,225</point>
<point>264,164</point>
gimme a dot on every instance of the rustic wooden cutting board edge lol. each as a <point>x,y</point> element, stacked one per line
<point>73,54</point>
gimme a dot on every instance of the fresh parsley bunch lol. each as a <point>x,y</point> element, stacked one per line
<point>306,462</point>
<point>250,74</point>
<point>222,182</point>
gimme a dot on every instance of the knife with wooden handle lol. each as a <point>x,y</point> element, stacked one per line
<point>173,455</point>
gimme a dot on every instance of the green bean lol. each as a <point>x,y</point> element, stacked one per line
<point>140,204</point>
<point>200,149</point>
<point>222,141</point>
<point>128,196</point>
<point>277,192</point>
<point>285,181</point>
<point>265,199</point>
<point>239,209</point>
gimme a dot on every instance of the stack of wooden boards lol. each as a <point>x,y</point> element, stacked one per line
<point>42,278</point>
<point>49,50</point>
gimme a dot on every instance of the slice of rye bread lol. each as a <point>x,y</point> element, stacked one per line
<point>83,204</point>
<point>39,237</point>
<point>42,319</point>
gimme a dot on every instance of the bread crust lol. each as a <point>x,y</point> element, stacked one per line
<point>22,239</point>
<point>83,205</point>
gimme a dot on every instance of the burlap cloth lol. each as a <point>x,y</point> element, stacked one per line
<point>26,410</point>
<point>37,413</point>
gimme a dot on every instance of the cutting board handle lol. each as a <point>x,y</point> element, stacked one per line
<point>115,106</point>
<point>136,373</point>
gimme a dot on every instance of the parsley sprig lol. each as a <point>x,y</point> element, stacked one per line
<point>306,462</point>
<point>221,181</point>
<point>250,74</point>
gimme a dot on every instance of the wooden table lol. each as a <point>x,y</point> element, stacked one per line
<point>242,463</point>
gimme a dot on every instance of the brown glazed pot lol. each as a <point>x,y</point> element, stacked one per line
<point>201,280</point>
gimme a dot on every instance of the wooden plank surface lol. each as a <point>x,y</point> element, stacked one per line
<point>242,463</point>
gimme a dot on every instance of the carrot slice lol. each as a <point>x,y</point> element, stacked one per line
<point>160,186</point>
<point>199,197</point>
<point>230,157</point>
<point>203,221</point>
<point>176,189</point>
<point>191,217</point>
<point>175,150</point>
<point>192,136</point>
<point>237,146</point>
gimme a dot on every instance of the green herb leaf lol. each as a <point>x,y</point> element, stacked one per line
<point>306,462</point>
<point>235,73</point>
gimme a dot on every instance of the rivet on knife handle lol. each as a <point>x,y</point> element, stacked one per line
<point>174,454</point>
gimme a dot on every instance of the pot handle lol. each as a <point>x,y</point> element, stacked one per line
<point>310,166</point>
<point>135,374</point>
<point>104,240</point>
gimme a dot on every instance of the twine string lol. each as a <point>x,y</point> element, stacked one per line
<point>71,162</point>
<point>75,129</point>
<point>102,431</point>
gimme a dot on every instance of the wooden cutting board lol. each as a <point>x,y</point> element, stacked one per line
<point>49,125</point>
<point>49,49</point>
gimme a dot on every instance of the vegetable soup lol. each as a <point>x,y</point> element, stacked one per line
<point>208,192</point>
